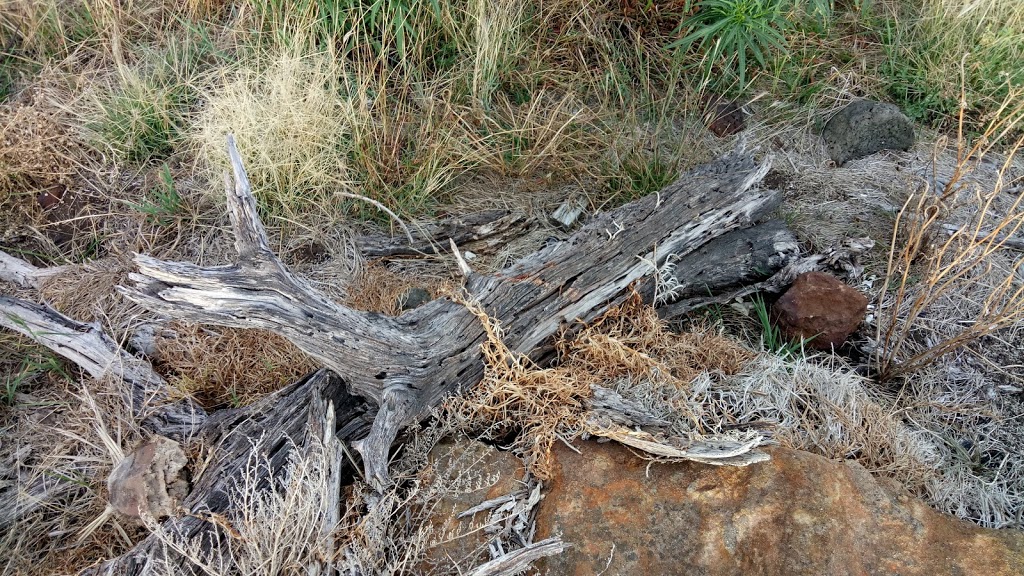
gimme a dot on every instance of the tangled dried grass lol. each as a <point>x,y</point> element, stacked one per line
<point>35,162</point>
<point>227,366</point>
<point>628,343</point>
<point>516,396</point>
<point>87,292</point>
<point>379,288</point>
<point>33,149</point>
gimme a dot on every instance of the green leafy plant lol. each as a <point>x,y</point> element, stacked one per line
<point>728,31</point>
<point>772,338</point>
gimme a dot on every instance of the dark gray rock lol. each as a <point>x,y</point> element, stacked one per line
<point>865,127</point>
<point>413,298</point>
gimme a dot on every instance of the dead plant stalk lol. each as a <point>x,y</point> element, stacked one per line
<point>967,255</point>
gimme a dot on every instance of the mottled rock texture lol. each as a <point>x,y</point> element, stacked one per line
<point>149,480</point>
<point>726,119</point>
<point>822,307</point>
<point>796,514</point>
<point>865,127</point>
<point>466,473</point>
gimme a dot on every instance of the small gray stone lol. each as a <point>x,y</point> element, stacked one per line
<point>865,127</point>
<point>413,298</point>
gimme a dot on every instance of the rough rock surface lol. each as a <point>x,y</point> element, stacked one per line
<point>821,306</point>
<point>149,480</point>
<point>413,298</point>
<point>467,473</point>
<point>796,514</point>
<point>865,127</point>
<point>727,119</point>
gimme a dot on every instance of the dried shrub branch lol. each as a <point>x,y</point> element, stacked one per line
<point>924,268</point>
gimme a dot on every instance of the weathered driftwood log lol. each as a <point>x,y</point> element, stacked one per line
<point>734,261</point>
<point>406,365</point>
<point>482,231</point>
<point>739,258</point>
<point>842,258</point>
<point>276,426</point>
<point>146,392</point>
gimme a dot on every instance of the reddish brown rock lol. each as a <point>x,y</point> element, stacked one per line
<point>796,514</point>
<point>466,473</point>
<point>727,119</point>
<point>51,196</point>
<point>819,305</point>
<point>149,480</point>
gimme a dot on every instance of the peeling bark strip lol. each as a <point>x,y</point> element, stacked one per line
<point>406,365</point>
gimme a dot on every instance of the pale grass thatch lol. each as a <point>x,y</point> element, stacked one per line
<point>60,441</point>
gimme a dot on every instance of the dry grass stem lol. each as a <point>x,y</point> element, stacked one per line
<point>924,264</point>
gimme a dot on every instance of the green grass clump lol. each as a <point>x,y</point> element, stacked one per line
<point>944,46</point>
<point>143,113</point>
<point>139,119</point>
<point>639,173</point>
<point>772,338</point>
<point>163,203</point>
<point>31,368</point>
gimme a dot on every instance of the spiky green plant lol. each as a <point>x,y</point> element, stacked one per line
<point>726,32</point>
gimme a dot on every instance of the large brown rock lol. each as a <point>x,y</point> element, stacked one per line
<point>149,481</point>
<point>795,514</point>
<point>821,306</point>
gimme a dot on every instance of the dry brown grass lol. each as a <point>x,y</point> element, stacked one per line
<point>35,159</point>
<point>540,406</point>
<point>87,292</point>
<point>227,366</point>
<point>631,339</point>
<point>379,288</point>
<point>60,441</point>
